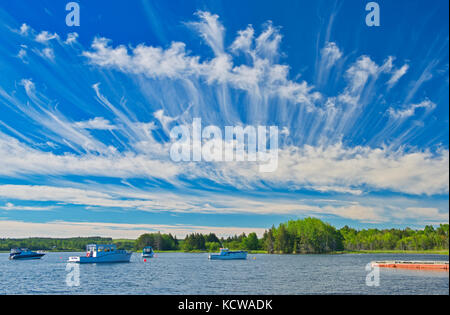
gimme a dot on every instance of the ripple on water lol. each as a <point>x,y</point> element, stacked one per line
<point>185,273</point>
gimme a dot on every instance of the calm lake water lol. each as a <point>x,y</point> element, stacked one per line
<point>185,273</point>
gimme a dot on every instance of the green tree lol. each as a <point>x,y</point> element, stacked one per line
<point>251,242</point>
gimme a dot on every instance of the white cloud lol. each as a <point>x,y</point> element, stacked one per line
<point>423,214</point>
<point>211,30</point>
<point>331,54</point>
<point>244,40</point>
<point>410,110</point>
<point>44,36</point>
<point>22,55</point>
<point>19,159</point>
<point>332,168</point>
<point>71,38</point>
<point>20,229</point>
<point>263,75</point>
<point>28,85</point>
<point>134,199</point>
<point>11,207</point>
<point>397,75</point>
<point>109,197</point>
<point>268,43</point>
<point>24,28</point>
<point>337,168</point>
<point>360,72</point>
<point>148,60</point>
<point>48,53</point>
<point>97,123</point>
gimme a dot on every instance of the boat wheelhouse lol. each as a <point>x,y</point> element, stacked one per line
<point>102,254</point>
<point>24,253</point>
<point>226,254</point>
<point>147,252</point>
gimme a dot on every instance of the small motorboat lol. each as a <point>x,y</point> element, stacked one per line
<point>226,254</point>
<point>24,253</point>
<point>147,252</point>
<point>102,254</point>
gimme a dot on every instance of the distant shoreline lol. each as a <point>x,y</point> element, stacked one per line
<point>302,236</point>
<point>423,252</point>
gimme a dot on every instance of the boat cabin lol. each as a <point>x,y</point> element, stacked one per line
<point>94,250</point>
<point>147,250</point>
<point>19,250</point>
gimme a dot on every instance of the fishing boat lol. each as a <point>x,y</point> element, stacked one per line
<point>147,252</point>
<point>226,254</point>
<point>102,254</point>
<point>422,265</point>
<point>24,253</point>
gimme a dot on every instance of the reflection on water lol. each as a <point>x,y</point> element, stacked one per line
<point>184,273</point>
<point>389,272</point>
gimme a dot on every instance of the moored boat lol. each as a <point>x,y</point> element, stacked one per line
<point>422,265</point>
<point>147,252</point>
<point>102,254</point>
<point>226,254</point>
<point>24,253</point>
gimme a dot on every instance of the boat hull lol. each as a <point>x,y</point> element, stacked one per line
<point>26,257</point>
<point>231,256</point>
<point>111,258</point>
<point>418,265</point>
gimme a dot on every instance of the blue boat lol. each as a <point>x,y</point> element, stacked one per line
<point>24,253</point>
<point>102,254</point>
<point>147,252</point>
<point>226,254</point>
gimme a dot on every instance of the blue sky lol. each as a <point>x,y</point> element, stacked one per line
<point>85,113</point>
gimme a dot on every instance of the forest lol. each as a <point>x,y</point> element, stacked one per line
<point>304,236</point>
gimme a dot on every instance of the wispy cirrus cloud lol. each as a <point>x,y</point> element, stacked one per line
<point>410,110</point>
<point>398,74</point>
<point>97,123</point>
<point>175,63</point>
<point>116,124</point>
<point>330,54</point>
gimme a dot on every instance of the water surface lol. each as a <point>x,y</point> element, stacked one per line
<point>188,273</point>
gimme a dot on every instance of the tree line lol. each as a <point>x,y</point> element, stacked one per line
<point>57,244</point>
<point>395,239</point>
<point>309,235</point>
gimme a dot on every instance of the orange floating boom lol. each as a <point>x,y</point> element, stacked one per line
<point>422,265</point>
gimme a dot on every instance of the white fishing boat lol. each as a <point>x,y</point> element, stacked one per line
<point>102,254</point>
<point>148,252</point>
<point>226,254</point>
